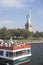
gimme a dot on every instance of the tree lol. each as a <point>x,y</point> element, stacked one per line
<point>36,34</point>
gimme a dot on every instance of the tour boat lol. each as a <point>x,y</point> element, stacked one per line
<point>13,53</point>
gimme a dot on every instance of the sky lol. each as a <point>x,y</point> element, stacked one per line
<point>13,13</point>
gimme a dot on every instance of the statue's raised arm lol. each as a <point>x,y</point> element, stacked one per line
<point>29,15</point>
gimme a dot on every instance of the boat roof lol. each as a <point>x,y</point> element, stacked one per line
<point>14,45</point>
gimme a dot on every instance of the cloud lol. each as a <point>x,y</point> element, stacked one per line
<point>12,3</point>
<point>7,23</point>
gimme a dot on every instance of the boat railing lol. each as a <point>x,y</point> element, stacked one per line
<point>9,44</point>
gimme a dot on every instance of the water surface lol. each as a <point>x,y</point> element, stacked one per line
<point>37,54</point>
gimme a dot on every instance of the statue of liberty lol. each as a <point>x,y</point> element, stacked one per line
<point>29,16</point>
<point>28,25</point>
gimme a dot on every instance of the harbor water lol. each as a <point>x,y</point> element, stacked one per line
<point>37,54</point>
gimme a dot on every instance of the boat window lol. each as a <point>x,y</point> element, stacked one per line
<point>14,54</point>
<point>19,53</point>
<point>23,52</point>
<point>1,53</point>
<point>9,54</point>
<point>28,51</point>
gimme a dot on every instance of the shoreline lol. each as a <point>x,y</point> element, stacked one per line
<point>35,42</point>
<point>30,41</point>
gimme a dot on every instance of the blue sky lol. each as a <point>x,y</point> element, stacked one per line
<point>13,13</point>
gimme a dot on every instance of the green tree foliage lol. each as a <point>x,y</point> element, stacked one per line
<point>18,33</point>
<point>37,34</point>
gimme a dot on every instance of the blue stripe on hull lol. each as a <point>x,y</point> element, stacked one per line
<point>22,60</point>
<point>15,62</point>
